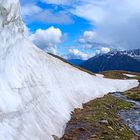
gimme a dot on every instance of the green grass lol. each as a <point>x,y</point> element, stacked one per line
<point>132,93</point>
<point>91,117</point>
<point>119,75</point>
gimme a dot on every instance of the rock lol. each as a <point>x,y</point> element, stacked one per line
<point>105,132</point>
<point>103,121</point>
<point>93,136</point>
<point>55,137</point>
<point>80,129</point>
<point>66,137</point>
<point>110,128</point>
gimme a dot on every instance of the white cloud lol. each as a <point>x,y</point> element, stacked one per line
<point>102,51</point>
<point>105,50</point>
<point>47,39</point>
<point>48,16</point>
<point>94,13</point>
<point>77,54</point>
<point>88,37</point>
<point>31,12</point>
<point>30,9</point>
<point>90,40</point>
<point>117,22</point>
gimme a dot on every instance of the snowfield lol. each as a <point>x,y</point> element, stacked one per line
<point>38,91</point>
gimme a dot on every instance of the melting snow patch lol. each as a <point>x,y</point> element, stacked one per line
<point>99,75</point>
<point>130,75</point>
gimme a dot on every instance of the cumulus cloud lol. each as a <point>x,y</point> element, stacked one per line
<point>77,54</point>
<point>117,22</point>
<point>90,40</point>
<point>88,37</point>
<point>47,39</point>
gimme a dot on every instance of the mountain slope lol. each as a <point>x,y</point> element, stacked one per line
<point>38,91</point>
<point>115,60</point>
<point>75,61</point>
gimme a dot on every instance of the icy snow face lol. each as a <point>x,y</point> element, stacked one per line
<point>37,91</point>
<point>10,14</point>
<point>11,26</point>
<point>10,35</point>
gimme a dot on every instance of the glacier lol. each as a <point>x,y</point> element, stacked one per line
<point>38,91</point>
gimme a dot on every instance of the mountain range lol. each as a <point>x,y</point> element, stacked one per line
<point>128,60</point>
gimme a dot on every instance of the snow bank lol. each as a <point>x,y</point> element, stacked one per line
<point>130,75</point>
<point>37,91</point>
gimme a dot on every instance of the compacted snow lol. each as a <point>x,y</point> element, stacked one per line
<point>37,91</point>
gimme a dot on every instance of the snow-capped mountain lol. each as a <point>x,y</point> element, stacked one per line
<point>128,60</point>
<point>38,91</point>
<point>135,54</point>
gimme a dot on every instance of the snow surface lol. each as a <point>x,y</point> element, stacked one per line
<point>99,75</point>
<point>130,75</point>
<point>38,91</point>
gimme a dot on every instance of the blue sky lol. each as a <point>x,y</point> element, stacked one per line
<point>72,30</point>
<point>82,28</point>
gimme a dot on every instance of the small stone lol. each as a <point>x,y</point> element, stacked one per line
<point>93,136</point>
<point>117,137</point>
<point>55,137</point>
<point>110,128</point>
<point>103,121</point>
<point>105,132</point>
<point>121,129</point>
<point>80,129</point>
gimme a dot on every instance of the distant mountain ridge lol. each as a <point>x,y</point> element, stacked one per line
<point>75,61</point>
<point>128,60</point>
<point>132,53</point>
